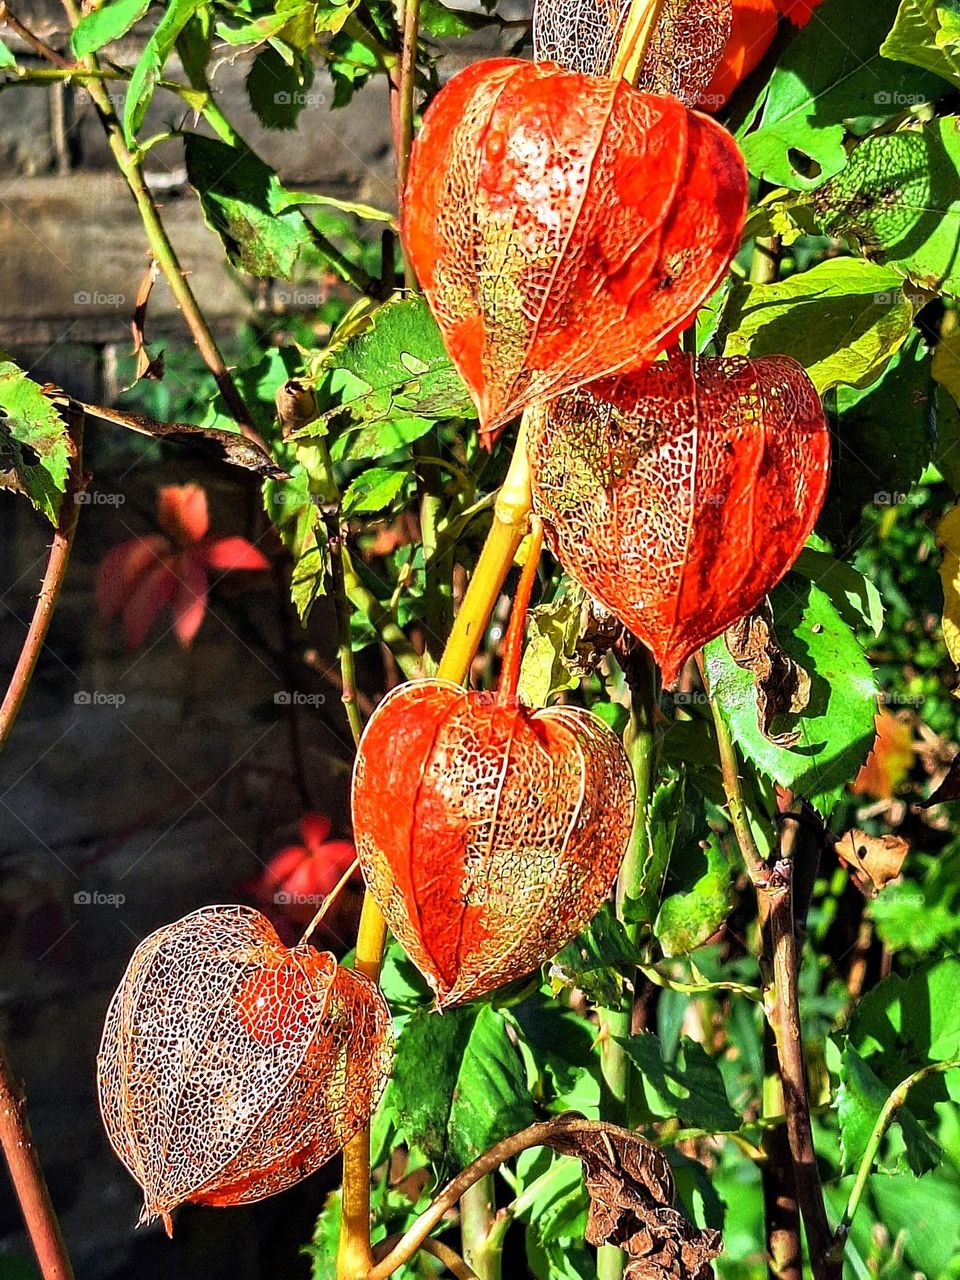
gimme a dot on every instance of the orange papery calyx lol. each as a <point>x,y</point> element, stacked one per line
<point>680,496</point>
<point>489,834</point>
<point>564,227</point>
<point>231,1066</point>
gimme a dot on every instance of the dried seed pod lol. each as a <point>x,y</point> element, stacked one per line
<point>681,495</point>
<point>231,1066</point>
<point>488,834</point>
<point>684,50</point>
<point>564,227</point>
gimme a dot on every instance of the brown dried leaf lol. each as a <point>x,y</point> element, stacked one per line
<point>783,687</point>
<point>631,1205</point>
<point>148,366</point>
<point>873,860</point>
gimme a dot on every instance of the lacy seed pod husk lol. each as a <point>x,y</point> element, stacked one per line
<point>232,1066</point>
<point>488,834</point>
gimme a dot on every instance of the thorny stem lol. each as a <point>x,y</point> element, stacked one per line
<point>162,248</point>
<point>50,587</point>
<point>28,1181</point>
<point>890,1108</point>
<point>783,1013</point>
<point>516,629</point>
<point>616,1102</point>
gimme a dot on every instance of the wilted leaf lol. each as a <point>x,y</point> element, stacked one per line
<point>148,366</point>
<point>643,216</point>
<point>898,199</point>
<point>837,728</point>
<point>631,1195</point>
<point>35,445</point>
<point>680,496</point>
<point>783,687</point>
<point>566,640</point>
<point>842,320</point>
<point>874,860</point>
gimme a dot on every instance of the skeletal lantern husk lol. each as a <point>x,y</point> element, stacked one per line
<point>680,496</point>
<point>488,834</point>
<point>564,227</point>
<point>231,1066</point>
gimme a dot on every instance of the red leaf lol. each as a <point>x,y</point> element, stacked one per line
<point>680,496</point>
<point>280,1058</point>
<point>226,554</point>
<point>182,512</point>
<point>121,568</point>
<point>517,830</point>
<point>564,227</point>
<point>153,591</point>
<point>190,597</point>
<point>314,827</point>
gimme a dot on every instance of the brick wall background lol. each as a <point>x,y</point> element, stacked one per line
<point>163,778</point>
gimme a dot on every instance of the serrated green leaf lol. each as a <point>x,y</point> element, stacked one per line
<point>690,1088</point>
<point>35,446</point>
<point>379,438</point>
<point>842,320</point>
<point>924,36</point>
<point>837,728</point>
<point>458,1084</point>
<point>374,490</point>
<point>688,918</point>
<point>381,387</point>
<point>860,1099</point>
<point>239,196</point>
<point>109,22</point>
<point>592,960</point>
<point>898,199</point>
<point>151,62</point>
<point>830,76</point>
<point>856,598</point>
<point>277,88</point>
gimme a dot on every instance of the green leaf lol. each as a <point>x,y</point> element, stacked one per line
<point>458,1084</point>
<point>240,196</point>
<point>6,57</point>
<point>855,597</point>
<point>277,88</point>
<point>378,439</point>
<point>553,657</point>
<point>924,36</point>
<point>441,21</point>
<point>293,510</point>
<point>35,446</point>
<point>689,917</point>
<point>109,22</point>
<point>860,1099</point>
<point>375,490</point>
<point>842,320</point>
<point>885,436</point>
<point>689,1088</point>
<point>593,960</point>
<point>398,368</point>
<point>898,199</point>
<point>837,728</point>
<point>151,62</point>
<point>294,199</point>
<point>663,818</point>
<point>830,76</point>
<point>923,1217</point>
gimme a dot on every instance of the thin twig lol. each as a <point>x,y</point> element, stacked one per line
<point>341,602</point>
<point>329,900</point>
<point>50,587</point>
<point>163,250</point>
<point>7,19</point>
<point>28,1180</point>
<point>450,1259</point>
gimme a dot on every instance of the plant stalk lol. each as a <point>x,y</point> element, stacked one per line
<point>28,1181</point>
<point>482,1245</point>
<point>617,1103</point>
<point>50,587</point>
